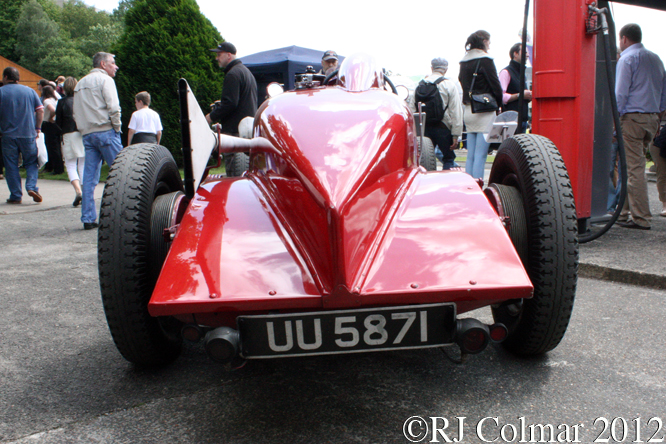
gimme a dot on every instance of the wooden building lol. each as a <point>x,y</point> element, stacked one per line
<point>27,78</point>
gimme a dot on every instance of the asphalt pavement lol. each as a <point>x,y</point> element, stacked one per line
<point>62,380</point>
<point>55,194</point>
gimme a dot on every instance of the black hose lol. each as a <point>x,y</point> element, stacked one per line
<point>590,236</point>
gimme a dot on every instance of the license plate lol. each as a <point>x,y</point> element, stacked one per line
<point>346,331</point>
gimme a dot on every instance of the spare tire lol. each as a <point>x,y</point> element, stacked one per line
<point>130,251</point>
<point>236,164</point>
<point>534,167</point>
<point>427,157</point>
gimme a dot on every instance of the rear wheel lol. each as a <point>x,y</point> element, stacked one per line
<point>427,157</point>
<point>532,183</point>
<point>140,198</point>
<point>236,164</point>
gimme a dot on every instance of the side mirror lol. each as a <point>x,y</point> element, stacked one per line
<point>274,89</point>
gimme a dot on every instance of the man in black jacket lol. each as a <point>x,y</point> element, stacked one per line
<point>239,93</point>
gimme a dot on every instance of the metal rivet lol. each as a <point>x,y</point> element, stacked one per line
<point>415,285</point>
<point>472,282</point>
<point>272,292</point>
<point>214,295</point>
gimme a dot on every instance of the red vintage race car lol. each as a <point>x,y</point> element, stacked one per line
<point>335,240</point>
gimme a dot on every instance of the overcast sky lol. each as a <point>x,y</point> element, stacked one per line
<point>403,38</point>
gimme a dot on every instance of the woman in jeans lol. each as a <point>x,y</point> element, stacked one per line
<point>486,81</point>
<point>72,141</point>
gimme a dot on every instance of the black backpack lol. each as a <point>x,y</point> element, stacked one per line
<point>428,94</point>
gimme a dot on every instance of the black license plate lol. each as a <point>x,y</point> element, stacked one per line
<point>347,331</point>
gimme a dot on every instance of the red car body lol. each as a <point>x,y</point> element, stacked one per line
<point>338,214</point>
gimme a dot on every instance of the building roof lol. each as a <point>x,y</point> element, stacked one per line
<point>26,77</point>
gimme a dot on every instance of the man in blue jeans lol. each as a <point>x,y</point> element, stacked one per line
<point>97,116</point>
<point>21,114</point>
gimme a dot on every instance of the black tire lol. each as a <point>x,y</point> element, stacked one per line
<point>427,157</point>
<point>534,167</point>
<point>512,203</point>
<point>236,164</point>
<point>130,251</point>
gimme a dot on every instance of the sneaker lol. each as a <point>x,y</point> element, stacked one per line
<point>13,202</point>
<point>77,200</point>
<point>35,195</point>
<point>90,225</point>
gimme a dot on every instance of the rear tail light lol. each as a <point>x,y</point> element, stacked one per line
<point>472,336</point>
<point>498,332</point>
<point>192,332</point>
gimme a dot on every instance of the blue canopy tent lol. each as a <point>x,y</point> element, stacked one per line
<point>281,65</point>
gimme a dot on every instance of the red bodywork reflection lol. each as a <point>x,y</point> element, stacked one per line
<point>342,217</point>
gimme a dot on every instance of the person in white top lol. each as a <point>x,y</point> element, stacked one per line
<point>55,164</point>
<point>145,125</point>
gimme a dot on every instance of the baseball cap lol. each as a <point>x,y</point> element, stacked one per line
<point>439,63</point>
<point>225,47</point>
<point>330,55</point>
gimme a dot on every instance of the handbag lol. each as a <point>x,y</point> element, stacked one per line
<point>483,102</point>
<point>42,154</point>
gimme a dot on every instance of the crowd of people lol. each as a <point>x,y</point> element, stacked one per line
<point>641,96</point>
<point>81,125</point>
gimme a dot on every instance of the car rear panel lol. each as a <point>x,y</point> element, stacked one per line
<point>441,241</point>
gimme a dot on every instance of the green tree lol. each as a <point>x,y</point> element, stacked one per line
<point>51,9</point>
<point>41,46</point>
<point>99,38</point>
<point>119,13</point>
<point>165,40</point>
<point>78,19</point>
<point>9,14</point>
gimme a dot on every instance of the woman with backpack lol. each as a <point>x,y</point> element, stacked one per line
<point>479,81</point>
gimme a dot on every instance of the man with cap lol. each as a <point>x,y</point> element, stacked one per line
<point>328,60</point>
<point>445,133</point>
<point>239,92</point>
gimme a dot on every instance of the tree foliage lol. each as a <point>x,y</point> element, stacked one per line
<point>77,19</point>
<point>53,41</point>
<point>9,14</point>
<point>165,40</point>
<point>43,48</point>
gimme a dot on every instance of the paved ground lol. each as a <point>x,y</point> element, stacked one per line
<point>55,194</point>
<point>62,380</point>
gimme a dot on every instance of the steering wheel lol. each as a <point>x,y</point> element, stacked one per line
<point>329,76</point>
<point>387,80</point>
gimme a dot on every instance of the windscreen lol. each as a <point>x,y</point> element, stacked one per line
<point>360,72</point>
